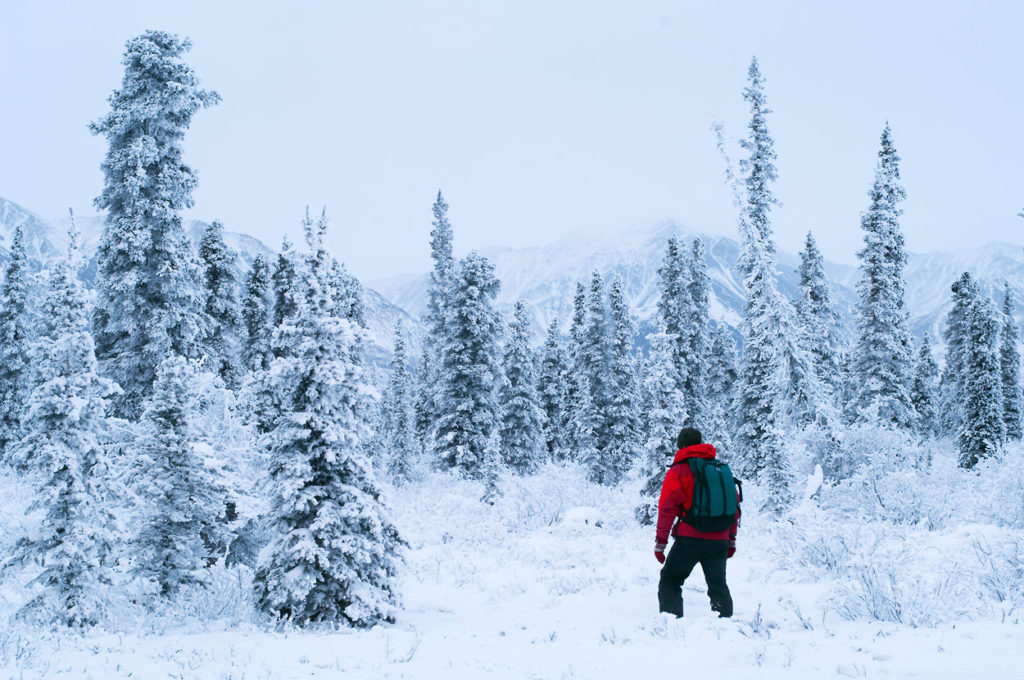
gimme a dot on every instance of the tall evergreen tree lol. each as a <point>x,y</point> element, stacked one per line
<point>335,552</point>
<point>758,168</point>
<point>443,279</point>
<point>593,364</point>
<point>759,407</point>
<point>981,432</point>
<point>464,435</point>
<point>522,436</point>
<point>65,417</point>
<point>817,319</point>
<point>552,389</point>
<point>664,413</point>
<point>1009,361</point>
<point>399,436</point>
<point>257,312</point>
<point>185,512</point>
<point>285,284</point>
<point>577,331</point>
<point>955,334</point>
<point>673,304</point>
<point>15,340</point>
<point>222,340</point>
<point>882,356</point>
<point>697,327</point>
<point>924,391</point>
<point>623,414</point>
<point>148,281</point>
<point>722,381</point>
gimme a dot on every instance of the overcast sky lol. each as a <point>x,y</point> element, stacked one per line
<point>537,119</point>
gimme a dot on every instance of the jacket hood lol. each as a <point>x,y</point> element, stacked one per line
<point>695,451</point>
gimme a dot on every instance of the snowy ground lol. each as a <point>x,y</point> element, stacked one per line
<point>531,588</point>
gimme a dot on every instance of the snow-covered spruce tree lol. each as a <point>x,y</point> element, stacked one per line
<point>470,374</point>
<point>398,436</point>
<point>697,327</point>
<point>664,414</point>
<point>955,333</point>
<point>721,368</point>
<point>721,388</point>
<point>185,500</point>
<point>148,280</point>
<point>924,391</point>
<point>982,431</point>
<point>522,436</point>
<point>758,168</point>
<point>673,305</point>
<point>15,341</point>
<point>577,331</point>
<point>347,292</point>
<point>222,341</point>
<point>423,422</point>
<point>284,281</point>
<point>623,414</point>
<point>882,356</point>
<point>65,416</point>
<point>552,389</point>
<point>593,366</point>
<point>759,400</point>
<point>817,319</point>
<point>1009,361</point>
<point>335,552</point>
<point>257,312</point>
<point>439,295</point>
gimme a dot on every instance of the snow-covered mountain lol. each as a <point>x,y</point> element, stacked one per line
<point>46,240</point>
<point>546,276</point>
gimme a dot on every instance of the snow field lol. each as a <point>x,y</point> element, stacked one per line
<point>531,588</point>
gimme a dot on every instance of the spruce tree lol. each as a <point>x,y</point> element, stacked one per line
<point>64,420</point>
<point>222,340</point>
<point>149,297</point>
<point>1009,361</point>
<point>185,510</point>
<point>924,391</point>
<point>673,304</point>
<point>439,298</point>
<point>697,327</point>
<point>759,404</point>
<point>882,356</point>
<point>623,414</point>
<point>758,168</point>
<point>664,414</point>
<point>15,340</point>
<point>464,434</point>
<point>522,436</point>
<point>982,431</point>
<point>334,554</point>
<point>722,380</point>
<point>552,389</point>
<point>955,334</point>
<point>593,365</point>
<point>817,319</point>
<point>399,436</point>
<point>257,312</point>
<point>577,330</point>
<point>284,284</point>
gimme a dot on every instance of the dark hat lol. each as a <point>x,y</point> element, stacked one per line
<point>688,436</point>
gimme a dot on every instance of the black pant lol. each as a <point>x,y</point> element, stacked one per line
<point>684,555</point>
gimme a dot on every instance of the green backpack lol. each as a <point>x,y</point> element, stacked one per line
<point>716,495</point>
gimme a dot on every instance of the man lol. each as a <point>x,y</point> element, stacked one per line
<point>711,550</point>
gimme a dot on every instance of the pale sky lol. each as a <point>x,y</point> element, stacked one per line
<point>537,119</point>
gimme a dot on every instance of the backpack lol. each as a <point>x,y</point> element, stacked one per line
<point>715,496</point>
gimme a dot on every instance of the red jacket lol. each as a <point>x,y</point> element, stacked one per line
<point>677,496</point>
